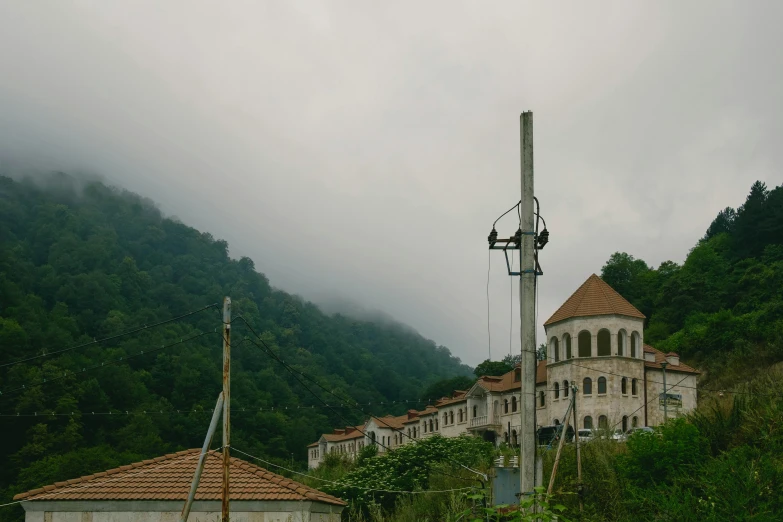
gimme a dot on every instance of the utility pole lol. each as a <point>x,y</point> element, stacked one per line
<point>579,490</point>
<point>665,396</point>
<point>226,405</point>
<point>527,312</point>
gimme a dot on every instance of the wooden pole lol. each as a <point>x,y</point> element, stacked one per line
<point>226,406</point>
<point>574,389</point>
<point>560,446</point>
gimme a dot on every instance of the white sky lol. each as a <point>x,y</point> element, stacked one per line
<point>361,150</point>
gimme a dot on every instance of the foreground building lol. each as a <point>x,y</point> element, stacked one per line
<point>595,341</point>
<point>155,491</point>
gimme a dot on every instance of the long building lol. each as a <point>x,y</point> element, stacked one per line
<point>595,341</point>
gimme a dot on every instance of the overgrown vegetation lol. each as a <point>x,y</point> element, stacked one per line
<point>85,262</point>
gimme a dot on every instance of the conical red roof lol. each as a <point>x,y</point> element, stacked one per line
<point>594,297</point>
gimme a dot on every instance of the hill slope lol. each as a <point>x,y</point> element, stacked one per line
<point>78,264</point>
<point>723,308</point>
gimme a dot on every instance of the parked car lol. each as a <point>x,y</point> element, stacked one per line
<point>585,436</point>
<point>640,429</point>
<point>551,434</point>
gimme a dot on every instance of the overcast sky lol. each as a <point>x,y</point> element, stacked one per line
<point>361,150</point>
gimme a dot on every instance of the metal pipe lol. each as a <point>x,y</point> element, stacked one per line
<point>183,517</point>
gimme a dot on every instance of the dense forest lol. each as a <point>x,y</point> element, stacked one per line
<point>80,262</point>
<point>722,309</point>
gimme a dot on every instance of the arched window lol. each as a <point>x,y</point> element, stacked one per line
<point>620,342</point>
<point>624,386</point>
<point>567,343</point>
<point>459,414</point>
<point>475,411</point>
<point>625,423</point>
<point>505,436</point>
<point>514,438</point>
<point>514,403</point>
<point>635,422</point>
<point>430,424</point>
<point>587,386</point>
<point>505,405</point>
<point>557,422</point>
<point>555,349</point>
<point>604,343</point>
<point>436,424</point>
<point>565,388</point>
<point>585,344</point>
<point>588,423</point>
<point>634,386</point>
<point>445,418</point>
<point>372,437</point>
<point>409,433</point>
<point>634,343</point>
<point>603,422</point>
<point>451,417</point>
<point>602,385</point>
<point>541,399</point>
<point>425,426</point>
<point>557,390</point>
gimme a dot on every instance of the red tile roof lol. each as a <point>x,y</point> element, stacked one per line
<point>661,357</point>
<point>169,478</point>
<point>391,422</point>
<point>349,433</point>
<point>506,381</point>
<point>594,297</point>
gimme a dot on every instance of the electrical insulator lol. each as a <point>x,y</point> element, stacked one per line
<point>543,239</point>
<point>493,237</point>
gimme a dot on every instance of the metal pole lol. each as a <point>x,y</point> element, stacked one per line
<point>665,397</point>
<point>226,405</point>
<point>574,390</point>
<point>183,517</point>
<point>527,305</point>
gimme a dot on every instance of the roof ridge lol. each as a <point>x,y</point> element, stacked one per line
<point>603,291</point>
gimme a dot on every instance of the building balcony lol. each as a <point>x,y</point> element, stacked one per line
<point>484,422</point>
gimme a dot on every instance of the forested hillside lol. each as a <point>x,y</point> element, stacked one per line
<point>82,263</point>
<point>723,308</point>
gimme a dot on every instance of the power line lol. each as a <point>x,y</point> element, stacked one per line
<point>110,338</point>
<point>294,372</point>
<point>346,485</point>
<point>67,373</point>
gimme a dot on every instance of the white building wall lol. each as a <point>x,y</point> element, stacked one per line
<point>686,388</point>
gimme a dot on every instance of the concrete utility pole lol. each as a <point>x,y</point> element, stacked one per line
<point>527,312</point>
<point>226,405</point>
<point>665,396</point>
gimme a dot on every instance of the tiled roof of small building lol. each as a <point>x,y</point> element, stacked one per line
<point>661,357</point>
<point>169,478</point>
<point>594,297</point>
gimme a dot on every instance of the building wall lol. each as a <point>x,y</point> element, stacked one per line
<point>686,388</point>
<point>457,428</point>
<point>169,511</point>
<point>613,323</point>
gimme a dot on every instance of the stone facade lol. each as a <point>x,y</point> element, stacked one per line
<point>595,345</point>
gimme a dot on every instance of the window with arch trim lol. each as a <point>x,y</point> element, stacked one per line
<point>602,385</point>
<point>635,422</point>
<point>513,403</point>
<point>514,438</point>
<point>436,424</point>
<point>585,342</point>
<point>604,343</point>
<point>620,342</point>
<point>451,417</point>
<point>634,387</point>
<point>588,423</point>
<point>541,399</point>
<point>475,411</point>
<point>430,425</point>
<point>624,386</point>
<point>634,344</point>
<point>625,423</point>
<point>565,388</point>
<point>603,422</point>
<point>557,390</point>
<point>505,405</point>
<point>555,349</point>
<point>587,386</point>
<point>567,343</point>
